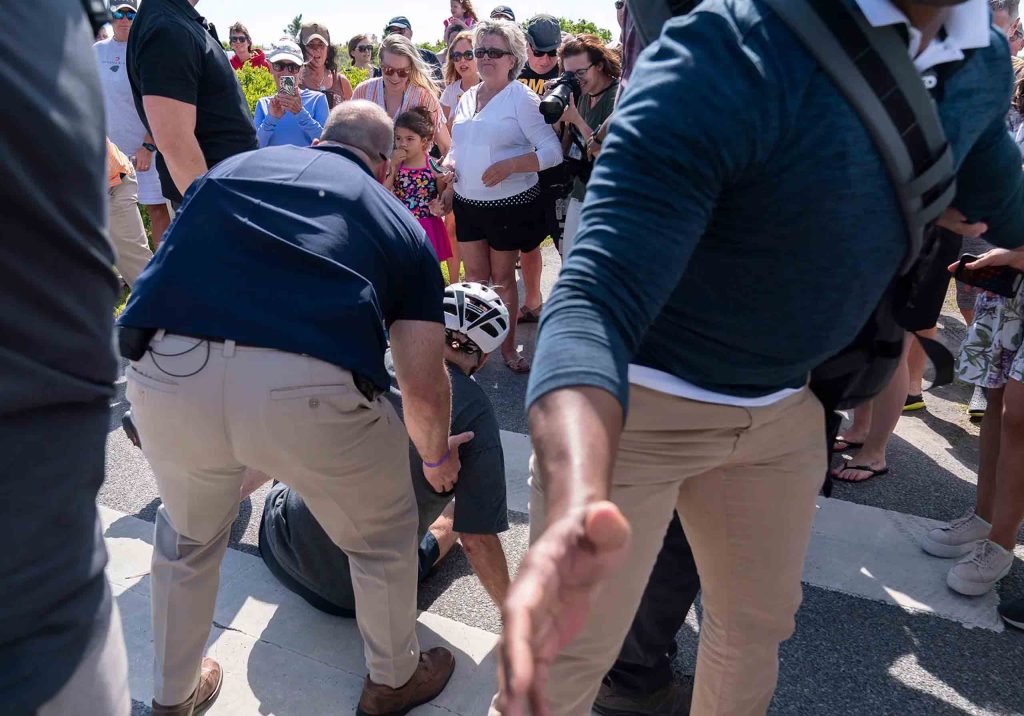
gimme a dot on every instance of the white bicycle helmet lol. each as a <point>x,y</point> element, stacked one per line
<point>477,312</point>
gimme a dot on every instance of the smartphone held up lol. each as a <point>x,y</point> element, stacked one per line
<point>1000,280</point>
<point>288,85</point>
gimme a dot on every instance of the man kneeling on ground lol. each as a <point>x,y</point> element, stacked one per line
<point>301,555</point>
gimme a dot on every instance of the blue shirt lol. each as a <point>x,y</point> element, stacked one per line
<point>740,226</point>
<point>297,129</point>
<point>297,249</point>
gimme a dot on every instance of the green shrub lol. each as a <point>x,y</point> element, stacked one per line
<point>256,83</point>
<point>355,75</point>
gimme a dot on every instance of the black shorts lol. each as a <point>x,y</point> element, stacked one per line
<point>518,223</point>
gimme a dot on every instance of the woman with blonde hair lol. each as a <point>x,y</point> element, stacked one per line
<point>405,83</point>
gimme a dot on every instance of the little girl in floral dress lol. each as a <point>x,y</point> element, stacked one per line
<point>417,182</point>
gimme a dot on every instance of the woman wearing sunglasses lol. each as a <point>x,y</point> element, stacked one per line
<point>320,73</point>
<point>241,43</point>
<point>405,83</point>
<point>460,74</point>
<point>500,143</point>
<point>360,51</point>
<point>292,115</point>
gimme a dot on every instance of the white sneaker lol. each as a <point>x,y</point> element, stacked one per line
<point>977,574</point>
<point>957,538</point>
<point>978,404</point>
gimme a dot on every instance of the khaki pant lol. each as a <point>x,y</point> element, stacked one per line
<point>206,411</point>
<point>100,683</point>
<point>127,232</point>
<point>744,481</point>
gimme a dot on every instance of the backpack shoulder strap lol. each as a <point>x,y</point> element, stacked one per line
<point>872,69</point>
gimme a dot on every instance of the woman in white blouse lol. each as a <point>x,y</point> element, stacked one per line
<point>499,143</point>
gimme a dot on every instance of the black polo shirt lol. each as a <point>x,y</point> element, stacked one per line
<point>173,52</point>
<point>294,248</point>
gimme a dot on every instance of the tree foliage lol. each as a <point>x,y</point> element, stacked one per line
<point>584,27</point>
<point>354,74</point>
<point>256,83</point>
<point>294,27</point>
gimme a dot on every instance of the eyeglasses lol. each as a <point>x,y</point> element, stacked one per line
<point>549,53</point>
<point>467,55</point>
<point>490,52</point>
<point>285,67</point>
<point>364,48</point>
<point>619,4</point>
<point>1018,34</point>
<point>391,71</point>
<point>124,14</point>
<point>238,38</point>
<point>582,72</point>
<point>467,347</point>
<point>394,30</point>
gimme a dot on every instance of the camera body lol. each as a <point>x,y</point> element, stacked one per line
<point>560,93</point>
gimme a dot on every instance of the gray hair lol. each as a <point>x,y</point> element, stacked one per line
<point>1011,7</point>
<point>510,33</point>
<point>362,125</point>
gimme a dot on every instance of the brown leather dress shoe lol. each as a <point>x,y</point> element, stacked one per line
<point>210,679</point>
<point>431,676</point>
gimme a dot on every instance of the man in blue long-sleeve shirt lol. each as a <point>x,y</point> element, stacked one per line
<point>283,118</point>
<point>737,167</point>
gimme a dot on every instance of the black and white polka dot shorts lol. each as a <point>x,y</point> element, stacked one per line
<point>517,223</point>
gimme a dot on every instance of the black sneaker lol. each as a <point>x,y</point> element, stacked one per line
<point>673,700</point>
<point>1013,613</point>
<point>128,425</point>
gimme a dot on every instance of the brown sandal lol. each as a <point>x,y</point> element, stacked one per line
<point>529,315</point>
<point>518,365</point>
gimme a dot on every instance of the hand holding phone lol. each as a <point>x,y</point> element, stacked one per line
<point>1000,280</point>
<point>288,85</point>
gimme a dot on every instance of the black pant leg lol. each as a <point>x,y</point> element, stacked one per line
<point>645,661</point>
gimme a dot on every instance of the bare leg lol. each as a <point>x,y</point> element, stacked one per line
<point>532,263</point>
<point>487,558</point>
<point>503,275</point>
<point>444,532</point>
<point>455,260</point>
<point>477,255</point>
<point>858,430</point>
<point>886,411</point>
<point>159,220</point>
<point>991,436</point>
<point>1008,510</point>
<point>968,314</point>
<point>917,361</point>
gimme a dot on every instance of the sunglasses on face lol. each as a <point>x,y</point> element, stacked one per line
<point>239,38</point>
<point>124,14</point>
<point>285,67</point>
<point>391,71</point>
<point>619,4</point>
<point>467,55</point>
<point>492,53</point>
<point>364,48</point>
<point>549,53</point>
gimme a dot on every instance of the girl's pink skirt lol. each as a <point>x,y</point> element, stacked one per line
<point>438,235</point>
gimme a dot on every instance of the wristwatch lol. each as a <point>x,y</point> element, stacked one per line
<point>149,147</point>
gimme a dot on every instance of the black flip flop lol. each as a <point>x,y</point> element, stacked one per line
<point>863,468</point>
<point>850,444</point>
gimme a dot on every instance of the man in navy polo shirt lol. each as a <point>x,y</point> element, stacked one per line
<point>269,299</point>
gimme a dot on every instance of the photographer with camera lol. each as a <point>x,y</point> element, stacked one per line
<point>590,73</point>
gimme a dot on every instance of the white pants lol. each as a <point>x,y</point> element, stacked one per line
<point>572,225</point>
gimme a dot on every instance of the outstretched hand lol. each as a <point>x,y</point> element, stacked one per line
<point>956,222</point>
<point>995,257</point>
<point>549,601</point>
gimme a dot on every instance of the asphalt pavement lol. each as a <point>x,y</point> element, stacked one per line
<point>849,655</point>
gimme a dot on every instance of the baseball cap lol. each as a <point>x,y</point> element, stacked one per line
<point>314,31</point>
<point>124,5</point>
<point>285,49</point>
<point>544,33</point>
<point>503,11</point>
<point>398,21</point>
